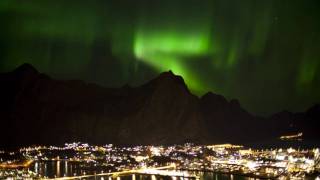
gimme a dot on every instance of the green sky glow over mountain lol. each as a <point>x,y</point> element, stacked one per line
<point>264,53</point>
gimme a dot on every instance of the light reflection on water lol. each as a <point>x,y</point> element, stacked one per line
<point>218,176</point>
<point>53,169</point>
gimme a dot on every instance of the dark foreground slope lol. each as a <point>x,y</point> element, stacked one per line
<point>35,109</point>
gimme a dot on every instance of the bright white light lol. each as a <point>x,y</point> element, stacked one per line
<point>251,165</point>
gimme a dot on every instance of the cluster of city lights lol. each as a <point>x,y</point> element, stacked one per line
<point>185,160</point>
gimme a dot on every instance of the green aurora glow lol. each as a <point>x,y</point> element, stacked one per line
<point>264,53</point>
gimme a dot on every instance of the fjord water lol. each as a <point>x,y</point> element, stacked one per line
<point>55,169</point>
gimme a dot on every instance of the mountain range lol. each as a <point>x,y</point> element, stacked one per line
<point>37,109</point>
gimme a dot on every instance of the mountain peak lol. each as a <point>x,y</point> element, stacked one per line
<point>168,81</point>
<point>170,77</point>
<point>210,96</point>
<point>168,74</point>
<point>164,105</point>
<point>25,68</point>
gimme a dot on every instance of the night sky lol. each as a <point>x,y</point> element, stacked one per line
<point>266,53</point>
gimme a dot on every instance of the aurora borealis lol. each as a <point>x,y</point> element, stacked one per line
<point>264,53</point>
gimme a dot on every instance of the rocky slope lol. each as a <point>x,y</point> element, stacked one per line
<point>35,109</point>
